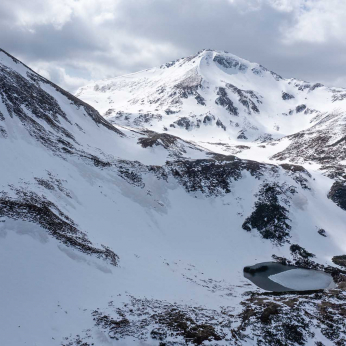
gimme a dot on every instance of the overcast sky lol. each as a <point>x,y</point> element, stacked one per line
<point>73,42</point>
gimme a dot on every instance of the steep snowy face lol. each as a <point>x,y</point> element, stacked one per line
<point>213,96</point>
<point>126,236</point>
<point>27,97</point>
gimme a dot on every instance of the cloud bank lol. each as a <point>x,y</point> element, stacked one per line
<point>75,41</point>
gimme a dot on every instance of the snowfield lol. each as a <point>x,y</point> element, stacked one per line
<point>124,233</point>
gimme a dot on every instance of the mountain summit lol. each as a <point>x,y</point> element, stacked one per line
<point>213,94</point>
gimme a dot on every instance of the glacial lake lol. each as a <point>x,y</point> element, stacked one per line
<point>277,277</point>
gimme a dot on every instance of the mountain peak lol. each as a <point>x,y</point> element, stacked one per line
<point>217,55</point>
<point>212,93</point>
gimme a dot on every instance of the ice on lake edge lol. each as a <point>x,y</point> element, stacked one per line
<point>303,279</point>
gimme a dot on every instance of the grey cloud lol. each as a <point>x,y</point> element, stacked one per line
<point>146,33</point>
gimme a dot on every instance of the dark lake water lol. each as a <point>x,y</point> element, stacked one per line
<point>297,279</point>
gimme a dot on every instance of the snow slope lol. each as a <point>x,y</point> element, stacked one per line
<point>121,236</point>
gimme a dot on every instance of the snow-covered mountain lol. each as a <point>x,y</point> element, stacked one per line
<point>216,95</point>
<point>136,235</point>
<point>232,106</point>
